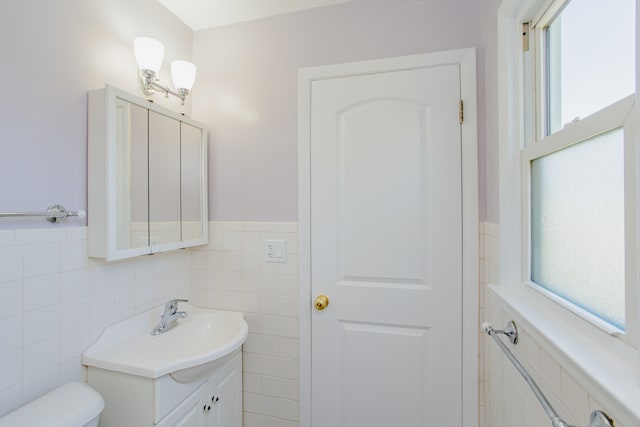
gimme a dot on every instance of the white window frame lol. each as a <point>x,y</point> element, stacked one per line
<point>607,362</point>
<point>538,144</point>
<point>619,114</point>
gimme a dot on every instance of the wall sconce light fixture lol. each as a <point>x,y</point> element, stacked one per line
<point>149,55</point>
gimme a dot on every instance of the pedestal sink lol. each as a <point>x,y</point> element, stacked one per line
<point>187,351</point>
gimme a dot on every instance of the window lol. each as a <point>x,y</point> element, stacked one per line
<point>582,86</point>
<point>587,63</point>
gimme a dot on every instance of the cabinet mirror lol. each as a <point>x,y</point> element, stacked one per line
<point>147,177</point>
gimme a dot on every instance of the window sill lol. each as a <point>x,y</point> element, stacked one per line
<point>578,311</point>
<point>608,368</point>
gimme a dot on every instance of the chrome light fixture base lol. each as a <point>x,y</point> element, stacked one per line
<point>147,77</point>
<point>183,93</point>
<point>149,83</point>
<point>149,54</point>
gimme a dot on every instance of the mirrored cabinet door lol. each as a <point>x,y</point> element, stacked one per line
<point>164,179</point>
<point>147,177</point>
<point>191,162</point>
<point>132,189</point>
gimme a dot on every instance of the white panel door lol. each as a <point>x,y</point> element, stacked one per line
<point>386,248</point>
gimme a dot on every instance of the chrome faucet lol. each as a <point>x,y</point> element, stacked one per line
<point>170,317</point>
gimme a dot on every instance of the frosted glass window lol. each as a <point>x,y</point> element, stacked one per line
<point>577,225</point>
<point>588,68</point>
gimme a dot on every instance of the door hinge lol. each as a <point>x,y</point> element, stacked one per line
<point>461,111</point>
<point>525,36</point>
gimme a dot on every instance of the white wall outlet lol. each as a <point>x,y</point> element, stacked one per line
<point>275,251</point>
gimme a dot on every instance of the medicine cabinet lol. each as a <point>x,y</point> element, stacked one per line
<point>147,177</point>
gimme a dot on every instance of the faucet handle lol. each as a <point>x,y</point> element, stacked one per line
<point>173,305</point>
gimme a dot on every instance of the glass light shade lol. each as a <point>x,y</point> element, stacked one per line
<point>149,53</point>
<point>183,74</point>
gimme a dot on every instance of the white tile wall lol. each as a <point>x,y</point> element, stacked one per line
<point>488,252</point>
<point>231,273</point>
<point>54,301</point>
<point>509,400</point>
<point>506,399</point>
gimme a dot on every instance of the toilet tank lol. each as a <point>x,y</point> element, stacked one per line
<point>72,405</point>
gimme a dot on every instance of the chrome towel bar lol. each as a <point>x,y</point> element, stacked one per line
<point>598,418</point>
<point>54,214</point>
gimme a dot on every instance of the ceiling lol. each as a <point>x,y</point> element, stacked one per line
<point>202,14</point>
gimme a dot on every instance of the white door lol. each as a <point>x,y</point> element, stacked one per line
<point>386,249</point>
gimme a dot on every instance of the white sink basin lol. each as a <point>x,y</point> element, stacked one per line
<point>194,347</point>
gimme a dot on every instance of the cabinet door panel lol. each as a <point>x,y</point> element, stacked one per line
<point>189,413</point>
<point>193,418</point>
<point>164,179</point>
<point>191,171</point>
<point>226,389</point>
<point>131,157</point>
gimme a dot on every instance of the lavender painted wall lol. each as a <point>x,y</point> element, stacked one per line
<point>52,54</point>
<point>488,112</point>
<point>247,88</point>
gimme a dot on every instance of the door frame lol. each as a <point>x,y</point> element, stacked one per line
<point>466,60</point>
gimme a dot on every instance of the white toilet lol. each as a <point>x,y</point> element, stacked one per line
<point>72,405</point>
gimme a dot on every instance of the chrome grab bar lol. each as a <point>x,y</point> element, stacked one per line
<point>598,418</point>
<point>54,213</point>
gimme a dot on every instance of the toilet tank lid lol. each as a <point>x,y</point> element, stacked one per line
<point>73,404</point>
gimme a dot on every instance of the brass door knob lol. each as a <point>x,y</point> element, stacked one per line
<point>321,302</point>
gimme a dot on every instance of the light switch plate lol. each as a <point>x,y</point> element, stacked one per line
<point>275,251</point>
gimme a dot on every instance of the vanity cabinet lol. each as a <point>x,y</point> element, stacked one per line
<point>224,395</point>
<point>147,170</point>
<point>217,403</point>
<point>132,401</point>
